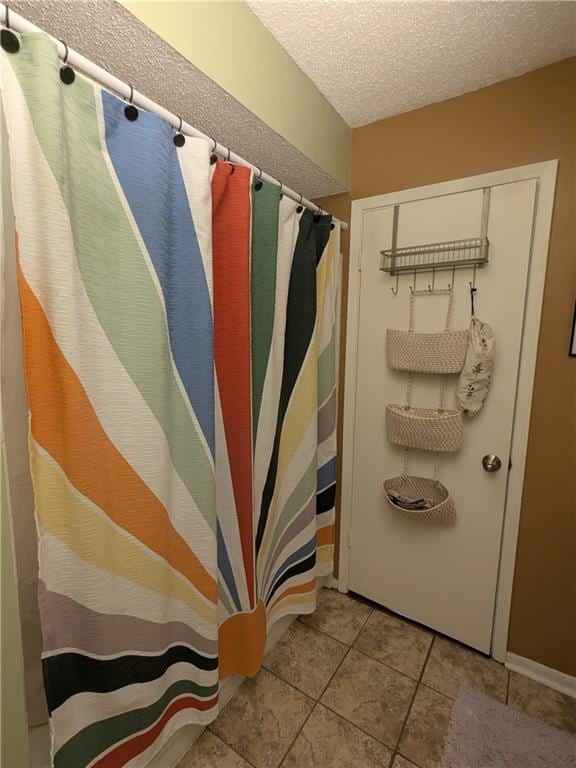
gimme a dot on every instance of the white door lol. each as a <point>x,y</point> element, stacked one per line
<point>442,576</point>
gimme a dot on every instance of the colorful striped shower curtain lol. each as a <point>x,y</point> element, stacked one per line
<point>179,326</point>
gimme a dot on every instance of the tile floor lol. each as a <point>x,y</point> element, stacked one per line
<point>351,686</point>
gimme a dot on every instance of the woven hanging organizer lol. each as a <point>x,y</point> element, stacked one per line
<point>424,428</point>
<point>428,429</point>
<point>441,505</point>
<point>443,352</point>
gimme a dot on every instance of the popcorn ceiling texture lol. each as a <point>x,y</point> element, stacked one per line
<point>372,60</point>
<point>110,36</point>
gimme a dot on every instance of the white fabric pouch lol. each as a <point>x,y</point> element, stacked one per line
<point>475,377</point>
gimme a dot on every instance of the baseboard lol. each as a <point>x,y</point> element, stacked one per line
<point>559,681</point>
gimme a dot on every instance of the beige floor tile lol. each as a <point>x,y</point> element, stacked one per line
<point>305,658</point>
<point>328,741</point>
<point>537,700</point>
<point>211,752</point>
<point>451,665</point>
<point>426,728</point>
<point>394,642</point>
<point>262,719</point>
<point>401,762</point>
<point>338,615</point>
<point>370,695</point>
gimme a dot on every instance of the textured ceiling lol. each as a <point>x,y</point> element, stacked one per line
<point>110,36</point>
<point>376,59</point>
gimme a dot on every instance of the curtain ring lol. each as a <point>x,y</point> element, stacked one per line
<point>65,44</point>
<point>228,158</point>
<point>259,173</point>
<point>130,111</point>
<point>300,201</point>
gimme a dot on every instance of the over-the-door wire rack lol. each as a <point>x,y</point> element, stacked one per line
<point>451,254</point>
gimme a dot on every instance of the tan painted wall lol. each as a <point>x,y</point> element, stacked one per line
<point>524,120</point>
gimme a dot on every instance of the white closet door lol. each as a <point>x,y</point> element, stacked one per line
<point>442,576</point>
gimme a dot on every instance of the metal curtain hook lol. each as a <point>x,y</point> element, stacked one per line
<point>131,94</point>
<point>65,44</point>
<point>451,285</point>
<point>413,286</point>
<point>7,19</point>
<point>395,290</point>
<point>259,173</point>
<point>431,288</point>
<point>179,130</point>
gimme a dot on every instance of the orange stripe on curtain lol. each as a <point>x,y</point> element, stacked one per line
<point>241,642</point>
<point>231,274</point>
<point>310,586</point>
<point>325,536</point>
<point>65,424</point>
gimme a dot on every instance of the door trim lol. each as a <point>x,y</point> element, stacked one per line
<point>545,174</point>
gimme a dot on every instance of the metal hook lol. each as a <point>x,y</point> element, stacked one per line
<point>431,289</point>
<point>413,286</point>
<point>451,285</point>
<point>131,94</point>
<point>259,173</point>
<point>7,19</point>
<point>65,44</point>
<point>474,278</point>
<point>472,292</point>
<point>395,290</point>
<point>179,129</point>
<point>228,158</point>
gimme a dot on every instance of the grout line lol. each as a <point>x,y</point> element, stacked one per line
<point>398,671</point>
<point>325,634</point>
<point>298,732</point>
<point>321,631</point>
<point>418,684</point>
<point>218,736</point>
<point>355,725</point>
<point>334,673</point>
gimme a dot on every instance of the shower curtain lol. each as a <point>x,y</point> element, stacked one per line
<point>179,328</point>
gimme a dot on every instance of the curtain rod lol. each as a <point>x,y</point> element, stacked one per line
<point>13,20</point>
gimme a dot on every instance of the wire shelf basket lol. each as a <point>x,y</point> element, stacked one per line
<point>472,251</point>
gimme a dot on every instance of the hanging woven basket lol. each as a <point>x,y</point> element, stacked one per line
<point>441,511</point>
<point>424,428</point>
<point>443,352</point>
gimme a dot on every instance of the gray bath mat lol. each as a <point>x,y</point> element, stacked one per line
<point>484,733</point>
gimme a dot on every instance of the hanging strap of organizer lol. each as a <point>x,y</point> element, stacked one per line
<point>411,374</point>
<point>447,325</point>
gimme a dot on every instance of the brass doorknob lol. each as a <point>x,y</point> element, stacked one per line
<point>491,462</point>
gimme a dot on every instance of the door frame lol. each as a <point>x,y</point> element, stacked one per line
<point>545,175</point>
